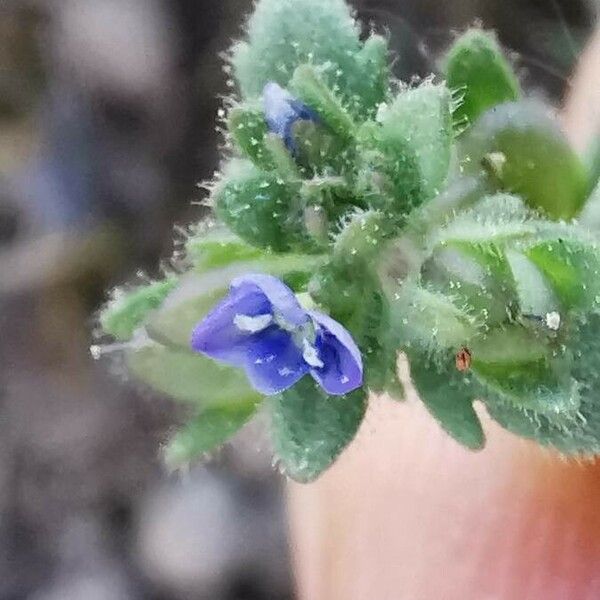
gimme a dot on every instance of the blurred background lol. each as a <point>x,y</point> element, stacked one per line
<point>107,124</point>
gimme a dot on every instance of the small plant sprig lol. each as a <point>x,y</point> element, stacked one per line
<point>356,217</point>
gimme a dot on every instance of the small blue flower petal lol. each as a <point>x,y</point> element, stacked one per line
<point>274,362</point>
<point>283,301</point>
<point>218,336</point>
<point>261,327</point>
<point>342,369</point>
<point>282,111</point>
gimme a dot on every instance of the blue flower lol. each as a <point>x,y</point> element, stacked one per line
<point>282,111</point>
<point>260,327</point>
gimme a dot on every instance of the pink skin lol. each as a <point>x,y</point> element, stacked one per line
<point>406,513</point>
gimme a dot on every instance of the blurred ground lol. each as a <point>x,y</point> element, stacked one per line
<point>107,122</point>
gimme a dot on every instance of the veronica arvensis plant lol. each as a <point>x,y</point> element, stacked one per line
<point>356,217</point>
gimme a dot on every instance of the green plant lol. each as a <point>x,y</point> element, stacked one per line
<point>450,221</point>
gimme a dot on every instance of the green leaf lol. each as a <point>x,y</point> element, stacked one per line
<point>581,435</point>
<point>310,429</point>
<point>476,276</point>
<point>416,134</point>
<point>217,247</point>
<point>524,151</point>
<point>524,368</point>
<point>261,208</point>
<point>499,219</point>
<point>307,85</point>
<point>282,34</point>
<point>572,268</point>
<point>360,238</point>
<point>449,398</point>
<point>570,439</point>
<point>428,320</point>
<point>373,62</point>
<point>530,386</point>
<point>246,124</point>
<point>190,378</point>
<point>476,67</point>
<point>210,429</point>
<point>372,328</point>
<point>126,311</point>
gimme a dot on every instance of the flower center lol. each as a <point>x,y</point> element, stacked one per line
<point>310,355</point>
<point>252,324</point>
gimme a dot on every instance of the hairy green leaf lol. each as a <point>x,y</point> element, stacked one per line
<point>499,219</point>
<point>127,310</point>
<point>476,276</point>
<point>573,269</point>
<point>524,368</point>
<point>282,34</point>
<point>477,69</point>
<point>216,248</point>
<point>208,430</point>
<point>261,208</point>
<point>416,134</point>
<point>448,395</point>
<point>247,126</point>
<point>429,320</point>
<point>310,88</point>
<point>579,436</point>
<point>310,429</point>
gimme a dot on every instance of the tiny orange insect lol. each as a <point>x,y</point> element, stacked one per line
<point>463,360</point>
